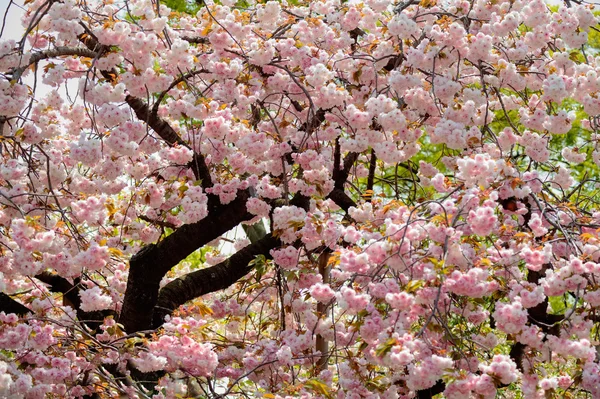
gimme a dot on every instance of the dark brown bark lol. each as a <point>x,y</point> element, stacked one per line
<point>152,262</point>
<point>340,176</point>
<point>429,393</point>
<point>56,283</point>
<point>517,353</point>
<point>341,199</point>
<point>393,63</point>
<point>538,314</point>
<point>149,266</point>
<point>313,123</point>
<point>214,278</point>
<point>195,40</point>
<point>218,277</point>
<point>170,136</point>
<point>60,284</point>
<point>372,168</point>
<point>321,344</point>
<point>9,305</point>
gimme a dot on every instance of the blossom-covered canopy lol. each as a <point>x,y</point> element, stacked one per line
<point>314,199</point>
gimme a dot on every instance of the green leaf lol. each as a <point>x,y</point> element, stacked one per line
<point>384,348</point>
<point>414,285</point>
<point>260,266</point>
<point>557,304</point>
<point>319,387</point>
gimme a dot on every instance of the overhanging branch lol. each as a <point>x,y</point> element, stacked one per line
<point>339,196</point>
<point>9,305</point>
<point>340,176</point>
<point>60,284</point>
<point>59,51</point>
<point>215,278</point>
<point>148,267</point>
<point>218,277</point>
<point>170,136</point>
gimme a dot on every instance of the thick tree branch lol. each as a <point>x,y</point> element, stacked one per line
<point>340,176</point>
<point>170,136</point>
<point>337,156</point>
<point>429,393</point>
<point>59,51</point>
<point>152,262</point>
<point>195,39</point>
<point>342,199</point>
<point>149,266</point>
<point>372,168</point>
<point>9,305</point>
<point>311,125</point>
<point>60,284</point>
<point>70,292</point>
<point>215,278</point>
<point>538,314</point>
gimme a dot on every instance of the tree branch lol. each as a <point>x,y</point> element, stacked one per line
<point>9,305</point>
<point>58,51</point>
<point>340,176</point>
<point>170,136</point>
<point>372,168</point>
<point>174,83</point>
<point>60,284</point>
<point>144,113</point>
<point>339,196</point>
<point>195,40</point>
<point>429,393</point>
<point>313,123</point>
<point>149,265</point>
<point>56,283</point>
<point>218,277</point>
<point>215,278</point>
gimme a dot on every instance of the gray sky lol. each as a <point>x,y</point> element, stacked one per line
<point>12,20</point>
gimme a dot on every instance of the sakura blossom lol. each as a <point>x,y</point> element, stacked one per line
<point>312,199</point>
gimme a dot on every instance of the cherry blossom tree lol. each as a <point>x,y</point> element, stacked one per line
<point>413,185</point>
